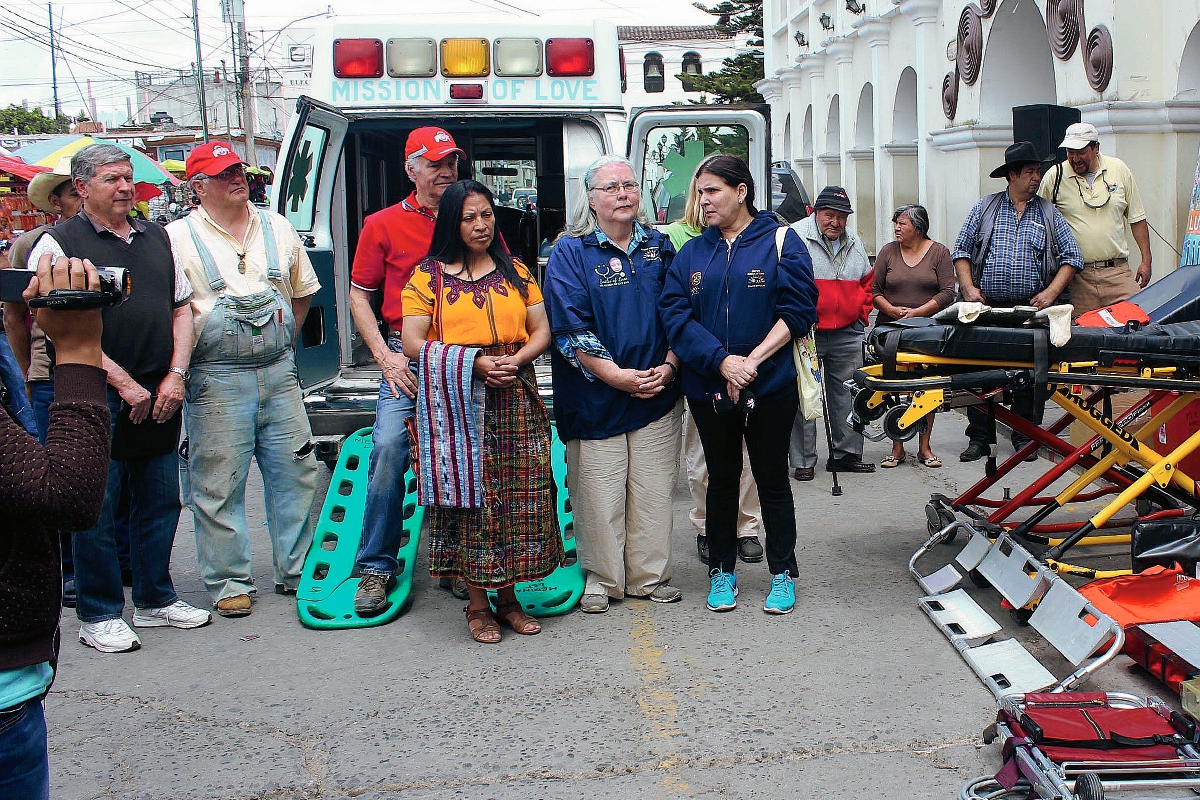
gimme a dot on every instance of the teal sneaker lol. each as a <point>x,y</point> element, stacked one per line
<point>782,597</point>
<point>722,596</point>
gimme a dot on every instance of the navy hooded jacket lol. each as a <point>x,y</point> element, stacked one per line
<point>599,288</point>
<point>721,300</point>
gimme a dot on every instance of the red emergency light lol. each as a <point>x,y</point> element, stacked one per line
<point>568,57</point>
<point>358,58</point>
<point>466,91</point>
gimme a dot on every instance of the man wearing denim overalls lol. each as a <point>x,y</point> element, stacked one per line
<point>253,284</point>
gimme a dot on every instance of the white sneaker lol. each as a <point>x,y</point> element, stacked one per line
<point>109,636</point>
<point>177,615</point>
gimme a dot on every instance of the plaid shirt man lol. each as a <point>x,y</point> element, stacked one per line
<point>1012,271</point>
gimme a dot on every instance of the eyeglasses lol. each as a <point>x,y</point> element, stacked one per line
<point>236,171</point>
<point>629,187</point>
<point>1087,201</point>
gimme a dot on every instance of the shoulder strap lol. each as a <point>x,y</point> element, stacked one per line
<point>274,274</point>
<point>215,281</point>
<point>987,222</point>
<point>780,234</point>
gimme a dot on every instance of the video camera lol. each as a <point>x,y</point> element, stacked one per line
<point>115,285</point>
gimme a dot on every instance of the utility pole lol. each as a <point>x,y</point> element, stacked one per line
<point>225,92</point>
<point>53,63</point>
<point>199,70</point>
<point>245,79</point>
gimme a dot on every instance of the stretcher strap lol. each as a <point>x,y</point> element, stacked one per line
<point>1041,366</point>
<point>891,345</point>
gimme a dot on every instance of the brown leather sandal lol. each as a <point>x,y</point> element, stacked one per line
<point>482,625</point>
<point>512,615</point>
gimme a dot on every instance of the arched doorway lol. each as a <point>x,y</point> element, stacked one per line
<point>1018,67</point>
<point>1188,87</point>
<point>832,157</point>
<point>903,147</point>
<point>806,151</point>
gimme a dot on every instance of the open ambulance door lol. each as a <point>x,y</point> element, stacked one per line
<point>304,194</point>
<point>667,144</point>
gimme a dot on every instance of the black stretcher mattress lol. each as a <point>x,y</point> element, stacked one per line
<point>1153,345</point>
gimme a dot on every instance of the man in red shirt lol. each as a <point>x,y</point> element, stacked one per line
<point>391,244</point>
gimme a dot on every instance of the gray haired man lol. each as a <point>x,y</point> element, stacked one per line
<point>146,344</point>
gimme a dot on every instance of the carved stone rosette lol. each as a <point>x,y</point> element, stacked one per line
<point>950,94</point>
<point>1099,58</point>
<point>970,44</point>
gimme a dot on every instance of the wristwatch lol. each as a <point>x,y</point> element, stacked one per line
<point>181,372</point>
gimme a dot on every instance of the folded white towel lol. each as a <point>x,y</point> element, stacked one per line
<point>963,311</point>
<point>1059,318</point>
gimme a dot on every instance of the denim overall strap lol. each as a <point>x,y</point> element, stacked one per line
<point>274,274</point>
<point>206,259</point>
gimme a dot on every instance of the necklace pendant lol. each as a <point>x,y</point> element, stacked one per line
<point>242,263</point>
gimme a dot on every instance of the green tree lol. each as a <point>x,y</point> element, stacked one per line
<point>26,121</point>
<point>734,82</point>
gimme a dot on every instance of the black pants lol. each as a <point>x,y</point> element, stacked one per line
<point>766,431</point>
<point>1022,405</point>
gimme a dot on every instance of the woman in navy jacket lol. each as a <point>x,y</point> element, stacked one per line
<point>731,306</point>
<point>616,397</point>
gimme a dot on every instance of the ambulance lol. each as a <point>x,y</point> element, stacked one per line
<point>531,105</point>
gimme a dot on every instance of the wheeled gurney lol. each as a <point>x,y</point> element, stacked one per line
<point>924,366</point>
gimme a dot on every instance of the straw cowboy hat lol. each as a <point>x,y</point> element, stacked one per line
<point>45,183</point>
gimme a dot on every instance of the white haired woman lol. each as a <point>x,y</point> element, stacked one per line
<point>616,398</point>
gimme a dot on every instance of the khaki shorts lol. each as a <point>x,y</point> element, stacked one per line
<point>1096,288</point>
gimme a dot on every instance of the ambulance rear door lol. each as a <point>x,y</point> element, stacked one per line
<point>304,194</point>
<point>666,145</point>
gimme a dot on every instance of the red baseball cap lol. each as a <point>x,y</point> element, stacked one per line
<point>432,143</point>
<point>211,158</point>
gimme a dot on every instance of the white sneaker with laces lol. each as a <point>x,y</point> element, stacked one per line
<point>177,615</point>
<point>109,636</point>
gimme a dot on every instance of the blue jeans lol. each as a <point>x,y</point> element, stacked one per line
<point>14,381</point>
<point>153,486</point>
<point>41,395</point>
<point>24,762</point>
<point>234,413</point>
<point>383,515</point>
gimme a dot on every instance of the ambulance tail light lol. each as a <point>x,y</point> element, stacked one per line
<point>568,57</point>
<point>358,58</point>
<point>466,91</point>
<point>465,58</point>
<point>517,58</point>
<point>411,58</point>
<point>624,80</point>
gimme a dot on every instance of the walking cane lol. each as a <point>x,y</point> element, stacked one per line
<point>837,489</point>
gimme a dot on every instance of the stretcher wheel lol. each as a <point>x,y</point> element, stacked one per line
<point>977,578</point>
<point>937,518</point>
<point>1089,787</point>
<point>891,425</point>
<point>863,412</point>
<point>990,734</point>
<point>1021,616</point>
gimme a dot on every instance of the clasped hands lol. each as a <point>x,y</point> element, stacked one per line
<point>739,372</point>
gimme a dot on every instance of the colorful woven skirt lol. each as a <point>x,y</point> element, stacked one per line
<point>515,536</point>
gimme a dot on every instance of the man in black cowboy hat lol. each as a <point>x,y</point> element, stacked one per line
<point>1014,249</point>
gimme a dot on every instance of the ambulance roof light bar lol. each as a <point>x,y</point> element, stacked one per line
<point>411,58</point>
<point>570,57</point>
<point>358,58</point>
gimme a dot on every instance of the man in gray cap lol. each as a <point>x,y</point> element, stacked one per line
<point>1096,197</point>
<point>844,275</point>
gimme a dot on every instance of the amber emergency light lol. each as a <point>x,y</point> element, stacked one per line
<point>358,58</point>
<point>465,58</point>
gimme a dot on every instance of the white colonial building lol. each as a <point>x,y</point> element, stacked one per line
<point>910,100</point>
<point>656,54</point>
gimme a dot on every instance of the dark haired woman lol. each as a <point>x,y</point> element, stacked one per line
<point>914,277</point>
<point>734,299</point>
<point>481,298</point>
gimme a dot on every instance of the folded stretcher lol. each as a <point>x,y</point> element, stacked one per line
<point>1081,746</point>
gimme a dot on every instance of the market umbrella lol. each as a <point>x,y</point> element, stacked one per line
<point>15,166</point>
<point>174,165</point>
<point>47,153</point>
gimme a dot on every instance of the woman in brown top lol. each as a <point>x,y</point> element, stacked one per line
<point>914,277</point>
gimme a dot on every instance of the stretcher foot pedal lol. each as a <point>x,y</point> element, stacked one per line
<point>325,597</point>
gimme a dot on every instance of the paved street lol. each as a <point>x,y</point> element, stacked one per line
<point>855,695</point>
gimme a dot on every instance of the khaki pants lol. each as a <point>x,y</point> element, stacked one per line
<point>749,511</point>
<point>1096,288</point>
<point>621,490</point>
